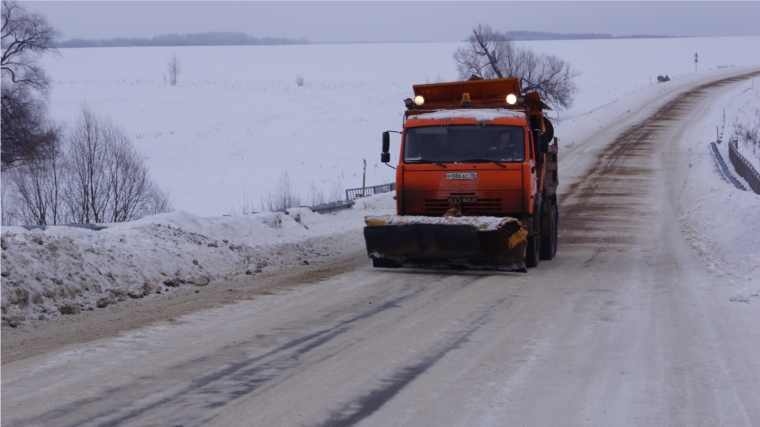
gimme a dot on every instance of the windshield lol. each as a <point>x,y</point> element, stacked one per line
<point>463,143</point>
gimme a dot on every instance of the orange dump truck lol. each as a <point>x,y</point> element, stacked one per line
<point>476,182</point>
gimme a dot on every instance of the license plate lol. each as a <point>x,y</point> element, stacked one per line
<point>462,175</point>
<point>463,200</point>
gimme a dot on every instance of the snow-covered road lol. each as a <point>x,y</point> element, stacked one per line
<point>626,326</point>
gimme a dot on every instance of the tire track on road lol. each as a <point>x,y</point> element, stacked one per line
<point>199,400</point>
<point>364,406</point>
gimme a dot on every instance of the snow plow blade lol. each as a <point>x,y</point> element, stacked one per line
<point>468,243</point>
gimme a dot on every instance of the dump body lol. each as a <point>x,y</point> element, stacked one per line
<point>469,155</point>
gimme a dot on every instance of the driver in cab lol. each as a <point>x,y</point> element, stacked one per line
<point>506,148</point>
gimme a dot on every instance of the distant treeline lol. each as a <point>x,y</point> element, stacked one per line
<point>198,39</point>
<point>538,35</point>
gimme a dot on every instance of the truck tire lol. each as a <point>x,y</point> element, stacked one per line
<point>556,229</point>
<point>549,243</point>
<point>531,253</point>
<point>534,239</point>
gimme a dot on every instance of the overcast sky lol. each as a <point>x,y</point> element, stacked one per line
<point>388,21</point>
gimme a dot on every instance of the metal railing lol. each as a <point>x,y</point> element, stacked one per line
<point>94,227</point>
<point>742,166</point>
<point>353,193</point>
<point>724,168</point>
<point>331,207</point>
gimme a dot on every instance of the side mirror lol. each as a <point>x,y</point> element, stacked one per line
<point>386,141</point>
<point>538,138</point>
<point>385,157</point>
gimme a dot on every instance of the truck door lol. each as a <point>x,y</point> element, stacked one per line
<point>532,163</point>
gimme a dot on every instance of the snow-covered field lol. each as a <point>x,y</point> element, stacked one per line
<point>237,120</point>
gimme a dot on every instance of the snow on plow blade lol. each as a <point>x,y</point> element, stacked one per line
<point>474,243</point>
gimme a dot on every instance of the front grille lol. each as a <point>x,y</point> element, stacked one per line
<point>438,207</point>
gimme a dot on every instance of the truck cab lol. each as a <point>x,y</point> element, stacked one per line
<point>484,160</point>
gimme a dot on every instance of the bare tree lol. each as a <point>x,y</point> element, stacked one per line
<point>748,133</point>
<point>316,195</point>
<point>25,36</point>
<point>130,183</point>
<point>88,153</point>
<point>490,55</point>
<point>173,68</point>
<point>108,178</point>
<point>283,197</point>
<point>26,130</point>
<point>37,189</point>
<point>96,176</point>
<point>160,201</point>
<point>25,127</point>
<point>7,206</point>
<point>336,192</point>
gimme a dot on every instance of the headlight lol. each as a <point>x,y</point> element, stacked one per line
<point>511,99</point>
<point>419,100</point>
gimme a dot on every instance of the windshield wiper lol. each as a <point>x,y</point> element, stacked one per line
<point>482,161</point>
<point>425,161</point>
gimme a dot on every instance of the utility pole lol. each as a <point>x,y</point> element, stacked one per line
<point>364,179</point>
<point>696,60</point>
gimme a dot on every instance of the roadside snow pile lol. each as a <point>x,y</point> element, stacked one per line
<point>64,270</point>
<point>743,295</point>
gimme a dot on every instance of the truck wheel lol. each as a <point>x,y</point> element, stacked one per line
<point>556,228</point>
<point>531,254</point>
<point>534,240</point>
<point>549,243</point>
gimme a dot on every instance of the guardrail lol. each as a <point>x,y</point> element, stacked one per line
<point>724,168</point>
<point>331,207</point>
<point>353,193</point>
<point>94,227</point>
<point>742,166</point>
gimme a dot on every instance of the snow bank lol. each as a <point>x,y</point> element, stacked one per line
<point>64,270</point>
<point>721,222</point>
